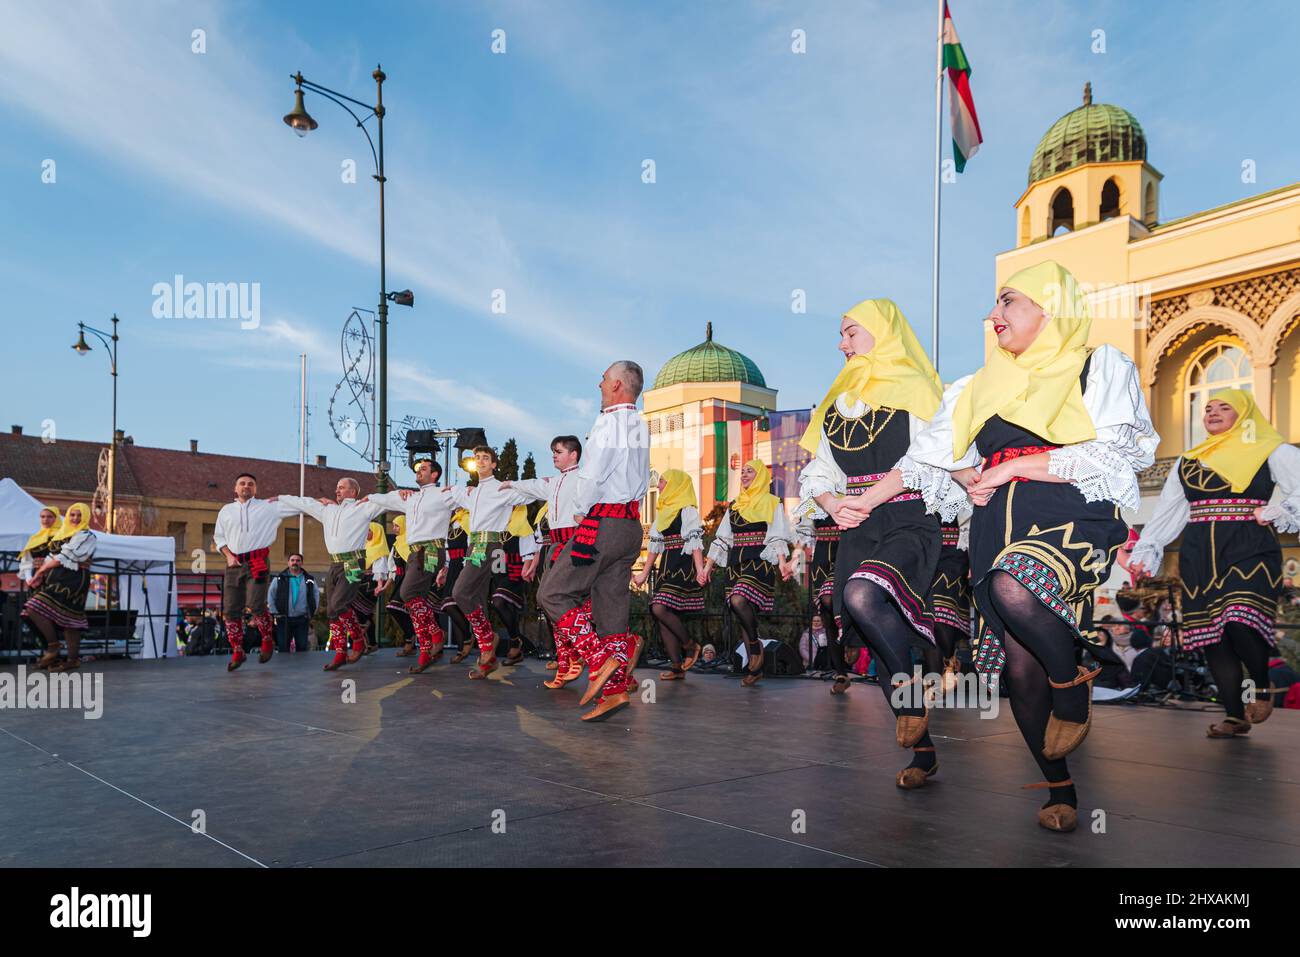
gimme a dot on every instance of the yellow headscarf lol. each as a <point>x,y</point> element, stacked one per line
<point>66,530</point>
<point>677,494</point>
<point>45,534</point>
<point>401,545</point>
<point>519,526</point>
<point>1039,389</point>
<point>376,543</point>
<point>1238,453</point>
<point>461,517</point>
<point>756,503</point>
<point>896,373</point>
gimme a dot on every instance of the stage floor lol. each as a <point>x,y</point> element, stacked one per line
<point>420,768</point>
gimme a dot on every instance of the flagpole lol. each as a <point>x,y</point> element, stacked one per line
<point>938,122</point>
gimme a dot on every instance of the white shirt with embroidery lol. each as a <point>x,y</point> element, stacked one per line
<point>247,526</point>
<point>615,466</point>
<point>345,524</point>
<point>428,512</point>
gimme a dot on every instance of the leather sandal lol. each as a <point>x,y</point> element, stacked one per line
<point>1228,728</point>
<point>673,674</point>
<point>236,660</point>
<point>909,779</point>
<point>461,655</point>
<point>423,662</point>
<point>408,649</point>
<point>514,655</point>
<point>1257,711</point>
<point>692,656</point>
<point>607,707</point>
<point>841,684</point>
<point>754,674</point>
<point>1062,737</point>
<point>910,728</point>
<point>356,653</point>
<point>47,659</point>
<point>485,668</point>
<point>67,664</point>
<point>951,674</point>
<point>265,653</point>
<point>552,666</point>
<point>597,679</point>
<point>1055,817</point>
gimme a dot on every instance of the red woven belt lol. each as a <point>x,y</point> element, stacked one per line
<point>1005,455</point>
<point>1225,509</point>
<point>558,536</point>
<point>857,484</point>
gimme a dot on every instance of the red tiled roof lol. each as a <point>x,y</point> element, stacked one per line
<point>70,466</point>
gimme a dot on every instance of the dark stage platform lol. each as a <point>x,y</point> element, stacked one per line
<point>417,770</point>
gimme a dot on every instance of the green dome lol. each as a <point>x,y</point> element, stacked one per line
<point>709,362</point>
<point>1094,133</point>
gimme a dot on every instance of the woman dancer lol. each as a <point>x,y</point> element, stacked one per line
<point>889,546</point>
<point>58,600</point>
<point>1230,563</point>
<point>1061,432</point>
<point>821,538</point>
<point>678,535</point>
<point>38,545</point>
<point>753,542</point>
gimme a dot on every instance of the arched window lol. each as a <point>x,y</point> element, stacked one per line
<point>1062,213</point>
<point>1025,227</point>
<point>1221,365</point>
<point>1149,205</point>
<point>1109,201</point>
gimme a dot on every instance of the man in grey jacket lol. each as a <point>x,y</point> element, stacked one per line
<point>292,600</point>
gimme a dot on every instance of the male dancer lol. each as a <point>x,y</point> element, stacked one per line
<point>490,510</point>
<point>346,523</point>
<point>428,513</point>
<point>246,530</point>
<point>560,492</point>
<point>586,590</point>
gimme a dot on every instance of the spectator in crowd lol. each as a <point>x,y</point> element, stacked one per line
<point>199,634</point>
<point>708,657</point>
<point>858,659</point>
<point>812,644</point>
<point>1117,636</point>
<point>292,599</point>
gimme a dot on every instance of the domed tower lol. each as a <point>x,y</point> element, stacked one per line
<point>1089,166</point>
<point>705,413</point>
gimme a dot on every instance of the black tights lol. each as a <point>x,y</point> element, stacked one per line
<point>50,632</point>
<point>945,646</point>
<point>747,618</point>
<point>834,640</point>
<point>509,616</point>
<point>672,630</point>
<point>1039,646</point>
<point>459,625</point>
<point>888,635</point>
<point>1240,645</point>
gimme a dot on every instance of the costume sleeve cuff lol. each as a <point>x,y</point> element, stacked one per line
<point>939,490</point>
<point>1098,472</point>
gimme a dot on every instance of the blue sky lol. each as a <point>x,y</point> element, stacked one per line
<point>523,172</point>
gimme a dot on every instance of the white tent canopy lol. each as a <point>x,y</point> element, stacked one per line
<point>146,562</point>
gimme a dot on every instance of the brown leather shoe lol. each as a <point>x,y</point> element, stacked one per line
<point>1228,728</point>
<point>356,653</point>
<point>267,650</point>
<point>1257,711</point>
<point>672,675</point>
<point>609,706</point>
<point>339,660</point>
<point>753,671</point>
<point>1058,817</point>
<point>910,728</point>
<point>235,661</point>
<point>45,660</point>
<point>461,655</point>
<point>841,685</point>
<point>552,666</point>
<point>692,656</point>
<point>909,779</point>
<point>67,664</point>
<point>634,654</point>
<point>408,649</point>
<point>424,661</point>
<point>1062,737</point>
<point>485,668</point>
<point>598,678</point>
<point>573,673</point>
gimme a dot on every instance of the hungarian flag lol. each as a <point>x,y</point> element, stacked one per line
<point>966,137</point>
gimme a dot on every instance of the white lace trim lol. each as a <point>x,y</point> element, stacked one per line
<point>1099,472</point>
<point>1284,515</point>
<point>809,506</point>
<point>693,541</point>
<point>776,549</point>
<point>1148,556</point>
<point>940,491</point>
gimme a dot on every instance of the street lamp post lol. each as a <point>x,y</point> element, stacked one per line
<point>110,343</point>
<point>302,123</point>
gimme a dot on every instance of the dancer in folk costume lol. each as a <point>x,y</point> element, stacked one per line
<point>889,547</point>
<point>1230,563</point>
<point>586,591</point>
<point>753,543</point>
<point>1045,441</point>
<point>678,536</point>
<point>56,607</point>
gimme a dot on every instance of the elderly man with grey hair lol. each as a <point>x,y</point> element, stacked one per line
<point>586,592</point>
<point>346,521</point>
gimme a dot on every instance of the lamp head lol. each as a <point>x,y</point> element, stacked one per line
<point>81,345</point>
<point>298,119</point>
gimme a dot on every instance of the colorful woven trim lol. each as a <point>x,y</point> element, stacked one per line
<point>672,542</point>
<point>857,484</point>
<point>748,539</point>
<point>583,549</point>
<point>949,536</point>
<point>478,545</point>
<point>827,533</point>
<point>1225,509</point>
<point>455,554</point>
<point>1004,455</point>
